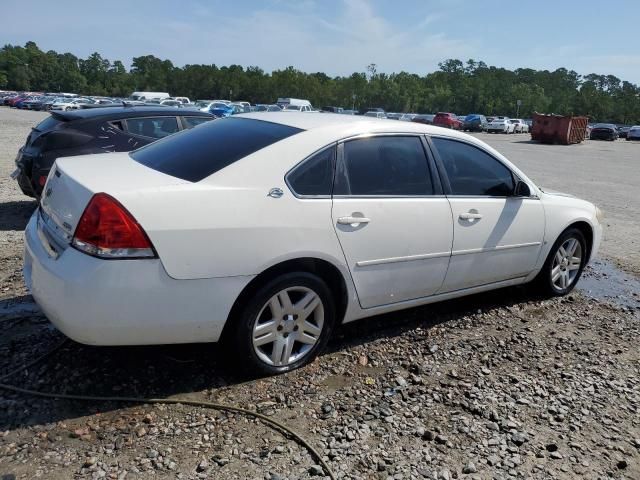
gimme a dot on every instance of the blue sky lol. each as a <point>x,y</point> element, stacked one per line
<point>340,36</point>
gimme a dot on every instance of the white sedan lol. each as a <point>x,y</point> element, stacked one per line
<point>501,125</point>
<point>69,104</point>
<point>266,230</point>
<point>519,125</point>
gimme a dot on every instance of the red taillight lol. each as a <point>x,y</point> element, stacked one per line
<point>42,180</point>
<point>107,230</point>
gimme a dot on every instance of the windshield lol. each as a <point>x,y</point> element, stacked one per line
<point>222,106</point>
<point>291,107</point>
<point>47,124</point>
<point>196,153</point>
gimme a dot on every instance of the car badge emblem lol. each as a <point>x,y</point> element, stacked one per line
<point>275,193</point>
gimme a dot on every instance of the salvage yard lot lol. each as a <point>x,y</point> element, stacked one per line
<point>501,384</point>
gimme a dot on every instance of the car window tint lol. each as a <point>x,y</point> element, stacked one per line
<point>315,175</point>
<point>384,166</point>
<point>472,171</point>
<point>190,122</point>
<point>48,123</point>
<point>157,127</point>
<point>196,153</point>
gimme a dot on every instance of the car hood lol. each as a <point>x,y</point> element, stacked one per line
<point>557,194</point>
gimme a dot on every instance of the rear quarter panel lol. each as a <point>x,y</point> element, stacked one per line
<point>227,225</point>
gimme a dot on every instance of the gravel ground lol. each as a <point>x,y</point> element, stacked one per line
<point>499,385</point>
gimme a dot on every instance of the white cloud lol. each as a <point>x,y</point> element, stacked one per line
<point>353,37</point>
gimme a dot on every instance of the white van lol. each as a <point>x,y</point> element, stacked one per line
<point>142,96</point>
<point>294,104</point>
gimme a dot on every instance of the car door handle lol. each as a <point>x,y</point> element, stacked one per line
<point>353,220</point>
<point>470,216</point>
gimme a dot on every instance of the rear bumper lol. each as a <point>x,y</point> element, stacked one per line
<point>124,302</point>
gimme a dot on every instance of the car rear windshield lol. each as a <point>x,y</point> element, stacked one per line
<point>48,123</point>
<point>199,152</point>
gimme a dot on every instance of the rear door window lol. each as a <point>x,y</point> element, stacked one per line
<point>384,166</point>
<point>196,153</point>
<point>152,127</point>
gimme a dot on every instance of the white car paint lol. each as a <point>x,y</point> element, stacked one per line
<point>70,104</point>
<point>501,125</point>
<point>519,125</point>
<point>216,235</point>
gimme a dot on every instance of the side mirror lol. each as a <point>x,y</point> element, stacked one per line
<point>522,189</point>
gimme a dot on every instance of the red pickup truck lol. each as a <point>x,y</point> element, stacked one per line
<point>447,120</point>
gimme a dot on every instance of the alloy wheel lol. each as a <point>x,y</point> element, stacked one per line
<point>566,264</point>
<point>288,326</point>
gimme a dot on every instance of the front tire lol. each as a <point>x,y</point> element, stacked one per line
<point>285,324</point>
<point>564,264</point>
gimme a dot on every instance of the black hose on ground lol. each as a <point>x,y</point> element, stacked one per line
<point>168,401</point>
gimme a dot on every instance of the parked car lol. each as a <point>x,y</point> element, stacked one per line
<point>447,120</point>
<point>634,133</point>
<point>300,104</point>
<point>145,96</point>
<point>394,115</point>
<point>375,114</point>
<point>332,109</point>
<point>238,231</point>
<point>46,106</point>
<point>203,105</point>
<point>297,108</point>
<point>519,126</point>
<point>623,131</point>
<point>425,118</point>
<point>69,104</point>
<point>24,102</point>
<point>604,131</point>
<point>500,125</point>
<point>171,103</point>
<point>407,117</point>
<point>220,109</point>
<point>242,107</point>
<point>267,108</point>
<point>474,122</point>
<point>96,130</point>
<point>33,103</point>
<point>11,101</point>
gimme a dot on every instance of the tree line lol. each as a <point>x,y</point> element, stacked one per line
<point>459,87</point>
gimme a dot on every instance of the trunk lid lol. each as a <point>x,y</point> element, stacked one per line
<point>74,180</point>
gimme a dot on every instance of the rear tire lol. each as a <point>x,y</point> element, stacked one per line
<point>564,265</point>
<point>284,326</point>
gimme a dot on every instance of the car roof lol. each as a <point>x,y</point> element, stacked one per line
<point>123,112</point>
<point>346,125</point>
